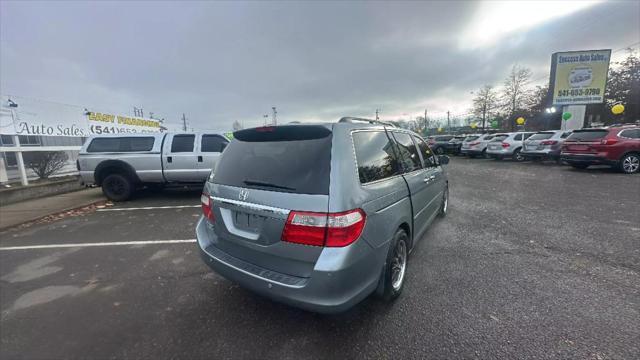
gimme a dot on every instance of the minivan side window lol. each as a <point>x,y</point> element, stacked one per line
<point>213,143</point>
<point>427,154</point>
<point>409,157</point>
<point>182,143</point>
<point>375,156</point>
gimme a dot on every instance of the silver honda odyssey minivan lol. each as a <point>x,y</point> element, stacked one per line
<point>320,216</point>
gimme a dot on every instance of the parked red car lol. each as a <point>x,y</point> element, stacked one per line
<point>615,146</point>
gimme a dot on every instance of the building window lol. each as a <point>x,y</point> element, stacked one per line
<point>10,159</point>
<point>29,140</point>
<point>6,140</point>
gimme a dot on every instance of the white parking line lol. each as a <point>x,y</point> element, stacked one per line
<point>115,243</point>
<point>150,208</point>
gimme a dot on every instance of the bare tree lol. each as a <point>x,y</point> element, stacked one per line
<point>516,90</point>
<point>46,163</point>
<point>485,103</point>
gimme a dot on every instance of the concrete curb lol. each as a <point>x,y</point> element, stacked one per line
<point>23,193</point>
<point>55,214</point>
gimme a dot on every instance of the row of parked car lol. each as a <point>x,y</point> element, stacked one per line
<point>616,146</point>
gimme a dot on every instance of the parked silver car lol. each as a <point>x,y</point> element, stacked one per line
<point>545,145</point>
<point>319,216</point>
<point>507,145</point>
<point>476,145</point>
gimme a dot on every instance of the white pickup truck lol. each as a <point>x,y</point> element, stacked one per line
<point>123,163</point>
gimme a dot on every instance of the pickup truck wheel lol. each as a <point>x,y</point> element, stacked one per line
<point>630,163</point>
<point>395,266</point>
<point>117,187</point>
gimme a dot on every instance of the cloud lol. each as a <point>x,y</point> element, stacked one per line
<point>223,61</point>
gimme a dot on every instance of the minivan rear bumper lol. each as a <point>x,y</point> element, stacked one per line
<point>338,286</point>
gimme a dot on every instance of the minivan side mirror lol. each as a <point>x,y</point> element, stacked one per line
<point>443,159</point>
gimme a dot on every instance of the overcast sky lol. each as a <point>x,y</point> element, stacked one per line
<point>219,62</point>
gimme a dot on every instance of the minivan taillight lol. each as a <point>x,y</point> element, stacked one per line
<point>324,229</point>
<point>548,142</point>
<point>207,207</point>
<point>505,145</point>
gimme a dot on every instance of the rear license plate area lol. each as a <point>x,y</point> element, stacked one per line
<point>249,222</point>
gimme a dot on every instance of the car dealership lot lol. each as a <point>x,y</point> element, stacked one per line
<point>533,260</point>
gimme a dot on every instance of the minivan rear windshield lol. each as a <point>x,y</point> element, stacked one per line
<point>588,134</point>
<point>541,136</point>
<point>291,158</point>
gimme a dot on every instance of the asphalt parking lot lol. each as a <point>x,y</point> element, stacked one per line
<point>534,260</point>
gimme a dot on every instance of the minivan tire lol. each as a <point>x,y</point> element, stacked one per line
<point>445,203</point>
<point>400,241</point>
<point>117,187</point>
<point>630,163</point>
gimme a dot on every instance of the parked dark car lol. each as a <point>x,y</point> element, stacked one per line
<point>617,147</point>
<point>455,144</point>
<point>440,144</point>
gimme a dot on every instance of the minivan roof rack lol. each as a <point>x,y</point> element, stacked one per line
<point>351,119</point>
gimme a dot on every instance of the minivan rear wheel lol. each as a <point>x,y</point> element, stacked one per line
<point>396,266</point>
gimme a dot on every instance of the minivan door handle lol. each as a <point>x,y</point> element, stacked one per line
<point>169,159</point>
<point>199,158</point>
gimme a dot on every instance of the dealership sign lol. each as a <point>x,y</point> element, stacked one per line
<point>24,116</point>
<point>579,77</point>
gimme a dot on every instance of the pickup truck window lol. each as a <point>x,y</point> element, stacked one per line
<point>213,143</point>
<point>375,156</point>
<point>182,143</point>
<point>121,144</point>
<point>408,152</point>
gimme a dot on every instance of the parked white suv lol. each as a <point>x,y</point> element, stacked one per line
<point>507,145</point>
<point>476,145</point>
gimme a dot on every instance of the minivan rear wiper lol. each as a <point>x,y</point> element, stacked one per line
<point>266,184</point>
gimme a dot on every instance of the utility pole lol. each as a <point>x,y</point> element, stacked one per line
<point>425,120</point>
<point>184,123</point>
<point>448,121</point>
<point>265,117</point>
<point>274,120</point>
